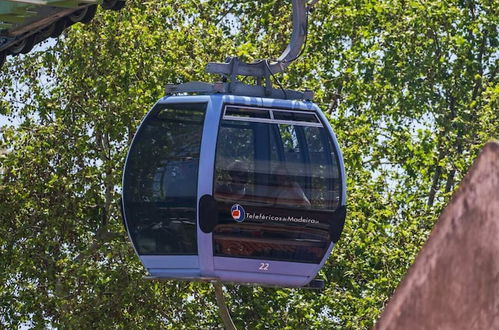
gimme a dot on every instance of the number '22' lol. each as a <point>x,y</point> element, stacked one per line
<point>264,266</point>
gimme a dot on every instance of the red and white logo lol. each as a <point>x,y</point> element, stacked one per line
<point>238,213</point>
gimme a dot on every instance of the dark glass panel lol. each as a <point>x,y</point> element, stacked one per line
<point>277,165</point>
<point>160,182</point>
<point>295,116</point>
<point>275,242</point>
<point>247,112</point>
<point>290,168</point>
<point>235,160</point>
<point>325,189</point>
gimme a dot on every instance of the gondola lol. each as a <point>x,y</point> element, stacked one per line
<point>234,188</point>
<point>234,182</point>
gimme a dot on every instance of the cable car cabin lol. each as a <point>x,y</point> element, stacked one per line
<point>233,188</point>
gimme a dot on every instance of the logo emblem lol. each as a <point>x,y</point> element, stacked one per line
<point>238,213</point>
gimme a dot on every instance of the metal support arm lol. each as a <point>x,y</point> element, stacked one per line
<point>264,68</point>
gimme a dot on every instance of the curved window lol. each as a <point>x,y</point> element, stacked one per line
<point>281,168</point>
<point>160,180</point>
<point>271,163</point>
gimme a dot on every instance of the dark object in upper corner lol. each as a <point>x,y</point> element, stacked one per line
<point>35,24</point>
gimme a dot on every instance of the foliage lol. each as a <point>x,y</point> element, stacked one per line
<point>411,89</point>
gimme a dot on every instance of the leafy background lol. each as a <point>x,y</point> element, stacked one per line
<point>411,89</point>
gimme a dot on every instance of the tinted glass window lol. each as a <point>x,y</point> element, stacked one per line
<point>276,164</point>
<point>295,116</point>
<point>277,242</point>
<point>247,112</point>
<point>325,185</point>
<point>160,185</point>
<point>272,168</point>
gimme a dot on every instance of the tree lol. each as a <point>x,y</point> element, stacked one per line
<point>411,90</point>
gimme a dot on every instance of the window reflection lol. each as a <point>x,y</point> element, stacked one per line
<point>160,185</point>
<point>276,164</point>
<point>278,242</point>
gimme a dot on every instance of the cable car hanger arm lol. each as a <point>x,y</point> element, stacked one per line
<point>263,68</point>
